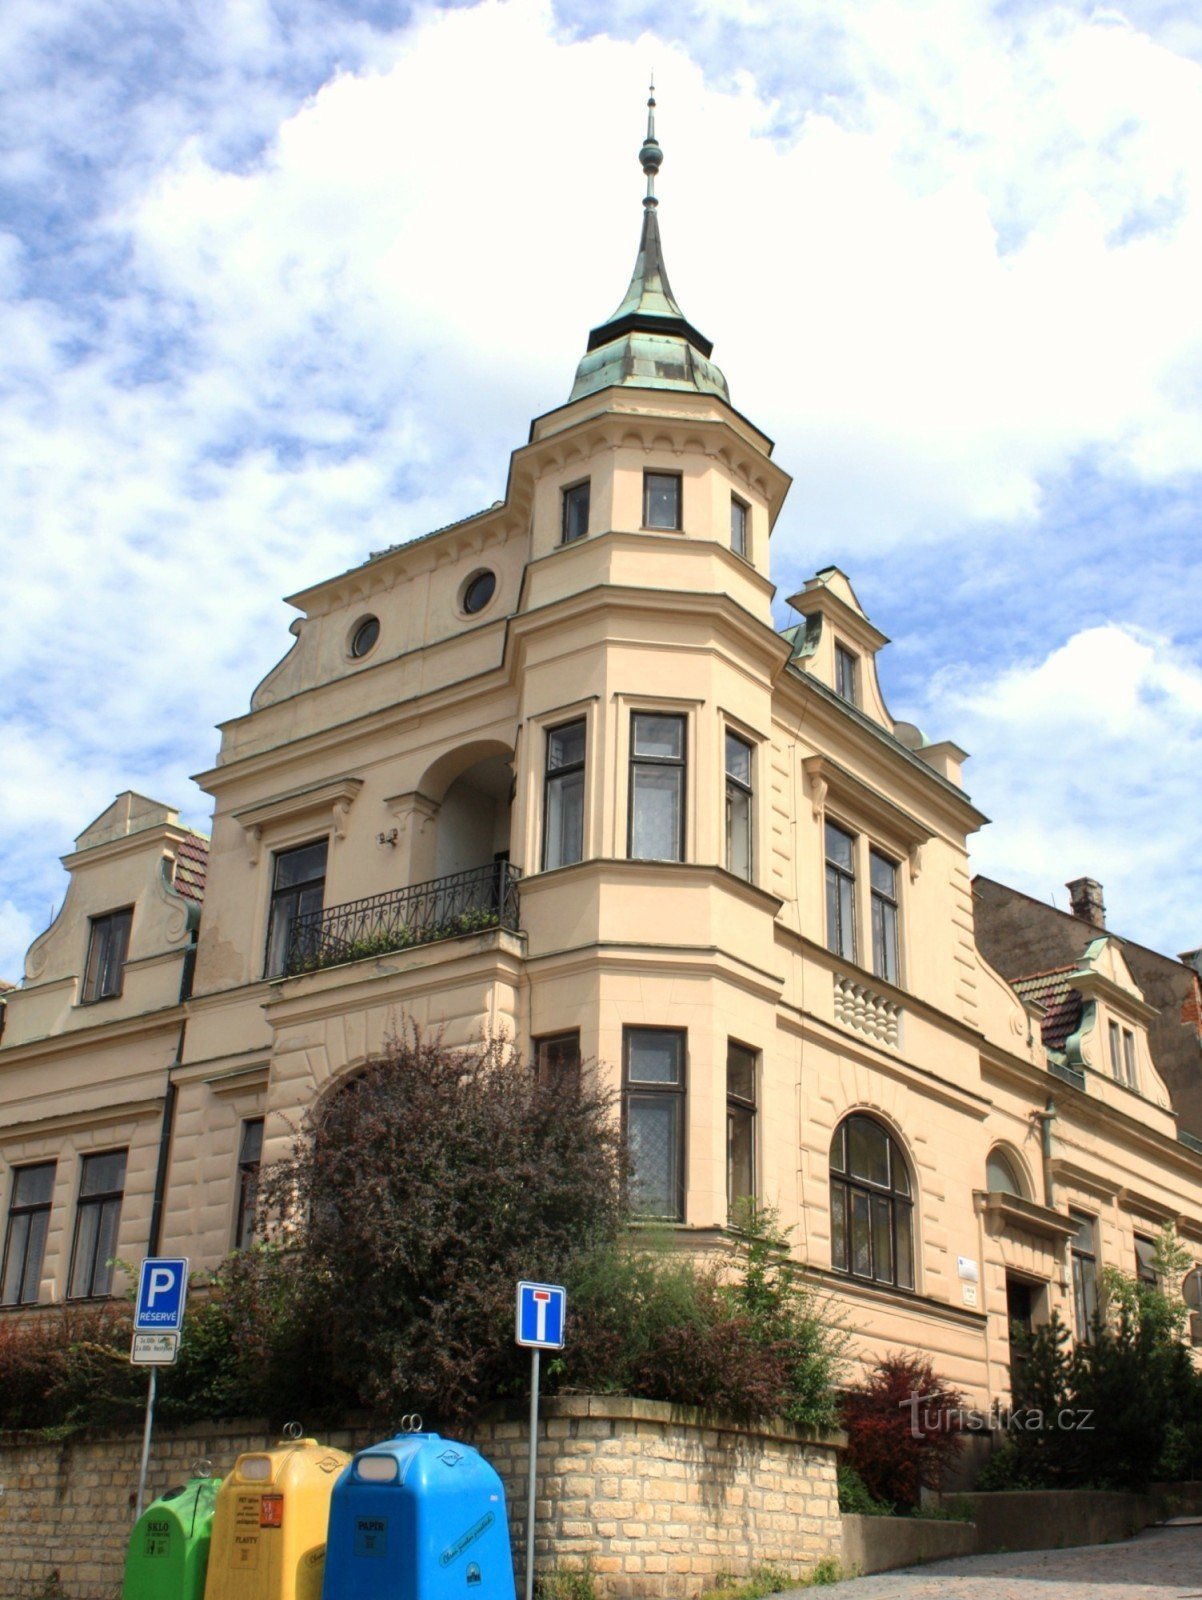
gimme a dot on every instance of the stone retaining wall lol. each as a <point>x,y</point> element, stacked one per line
<point>657,1499</point>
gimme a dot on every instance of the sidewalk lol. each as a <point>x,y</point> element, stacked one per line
<point>1158,1564</point>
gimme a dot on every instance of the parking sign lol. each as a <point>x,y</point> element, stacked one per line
<point>162,1295</point>
<point>540,1316</point>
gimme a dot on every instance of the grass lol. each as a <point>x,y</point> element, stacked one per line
<point>772,1580</point>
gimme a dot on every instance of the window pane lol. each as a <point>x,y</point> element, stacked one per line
<point>283,915</point>
<point>11,1293</point>
<point>252,1140</point>
<point>1000,1177</point>
<point>557,1060</point>
<point>738,831</point>
<point>839,1227</point>
<point>847,918</point>
<point>839,847</point>
<point>1115,1064</point>
<point>1129,1056</point>
<point>662,737</point>
<point>839,1149</point>
<point>884,939</point>
<point>1083,1242</point>
<point>103,1174</point>
<point>565,746</point>
<point>87,1229</point>
<point>35,1254</point>
<point>834,936</point>
<point>883,874</point>
<point>738,527</point>
<point>738,759</point>
<point>1145,1261</point>
<point>106,1246</point>
<point>661,500</point>
<point>33,1186</point>
<point>740,1072</point>
<point>882,1239</point>
<point>868,1151</point>
<point>565,820</point>
<point>651,1124</point>
<point>653,1055</point>
<point>897,1169</point>
<point>861,1234</point>
<point>845,674</point>
<point>301,866</point>
<point>740,1138</point>
<point>575,512</point>
<point>656,795</point>
<point>905,1246</point>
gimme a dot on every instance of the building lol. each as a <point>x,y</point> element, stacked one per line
<point>1021,936</point>
<point>552,771</point>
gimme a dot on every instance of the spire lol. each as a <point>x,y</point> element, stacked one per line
<point>648,342</point>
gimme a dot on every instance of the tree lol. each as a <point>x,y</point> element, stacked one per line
<point>415,1197</point>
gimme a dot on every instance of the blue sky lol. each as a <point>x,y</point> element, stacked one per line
<point>283,283</point>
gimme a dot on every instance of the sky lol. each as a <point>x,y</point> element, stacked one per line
<point>283,283</point>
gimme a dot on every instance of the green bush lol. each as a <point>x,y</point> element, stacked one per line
<point>856,1498</point>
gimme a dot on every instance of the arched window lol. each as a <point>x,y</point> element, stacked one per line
<point>1001,1175</point>
<point>872,1234</point>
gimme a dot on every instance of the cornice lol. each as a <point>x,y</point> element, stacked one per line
<point>865,806</point>
<point>1014,1212</point>
<point>98,1116</point>
<point>128,844</point>
<point>335,795</point>
<point>93,1036</point>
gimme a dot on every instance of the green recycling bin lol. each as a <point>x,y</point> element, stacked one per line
<point>168,1555</point>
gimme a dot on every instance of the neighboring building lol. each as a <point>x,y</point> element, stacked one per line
<point>550,771</point>
<point>1021,936</point>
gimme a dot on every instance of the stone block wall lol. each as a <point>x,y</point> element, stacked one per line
<point>657,1500</point>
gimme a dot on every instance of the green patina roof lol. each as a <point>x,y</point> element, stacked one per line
<point>648,342</point>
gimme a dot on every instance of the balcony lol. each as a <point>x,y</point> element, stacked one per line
<point>444,908</point>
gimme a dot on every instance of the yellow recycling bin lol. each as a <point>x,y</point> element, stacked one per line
<point>269,1529</point>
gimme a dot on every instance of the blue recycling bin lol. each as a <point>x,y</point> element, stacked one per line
<point>418,1517</point>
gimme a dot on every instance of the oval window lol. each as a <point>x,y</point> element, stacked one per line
<point>479,591</point>
<point>364,636</point>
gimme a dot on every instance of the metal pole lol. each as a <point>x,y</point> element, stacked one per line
<point>533,1473</point>
<point>146,1432</point>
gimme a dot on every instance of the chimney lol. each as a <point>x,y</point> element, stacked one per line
<point>1193,958</point>
<point>1086,897</point>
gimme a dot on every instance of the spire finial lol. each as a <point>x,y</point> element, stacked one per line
<point>651,157</point>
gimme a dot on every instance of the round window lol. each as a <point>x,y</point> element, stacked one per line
<point>478,591</point>
<point>364,636</point>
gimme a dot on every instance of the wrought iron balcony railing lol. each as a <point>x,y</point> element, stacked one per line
<point>444,908</point>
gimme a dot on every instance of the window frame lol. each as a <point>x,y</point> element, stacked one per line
<point>839,872</point>
<point>277,894</point>
<point>642,1089</point>
<point>847,666</point>
<point>748,789</point>
<point>675,763</point>
<point>557,775</point>
<point>900,1202</point>
<point>566,494</point>
<point>248,1185</point>
<point>740,547</point>
<point>18,1211</point>
<point>741,1108</point>
<point>662,527</point>
<point>99,967</point>
<point>100,1201</point>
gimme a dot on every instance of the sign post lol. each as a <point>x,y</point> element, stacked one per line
<point>158,1319</point>
<point>541,1312</point>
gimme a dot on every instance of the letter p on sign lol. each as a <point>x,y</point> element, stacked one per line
<point>162,1294</point>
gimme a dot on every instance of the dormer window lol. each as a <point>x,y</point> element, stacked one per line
<point>575,512</point>
<point>846,665</point>
<point>108,945</point>
<point>661,500</point>
<point>1122,1055</point>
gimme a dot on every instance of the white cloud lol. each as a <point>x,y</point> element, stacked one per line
<point>1088,760</point>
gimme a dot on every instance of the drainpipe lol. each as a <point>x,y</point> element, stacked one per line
<point>166,1131</point>
<point>1046,1118</point>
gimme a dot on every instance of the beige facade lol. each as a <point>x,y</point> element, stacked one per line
<point>638,815</point>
